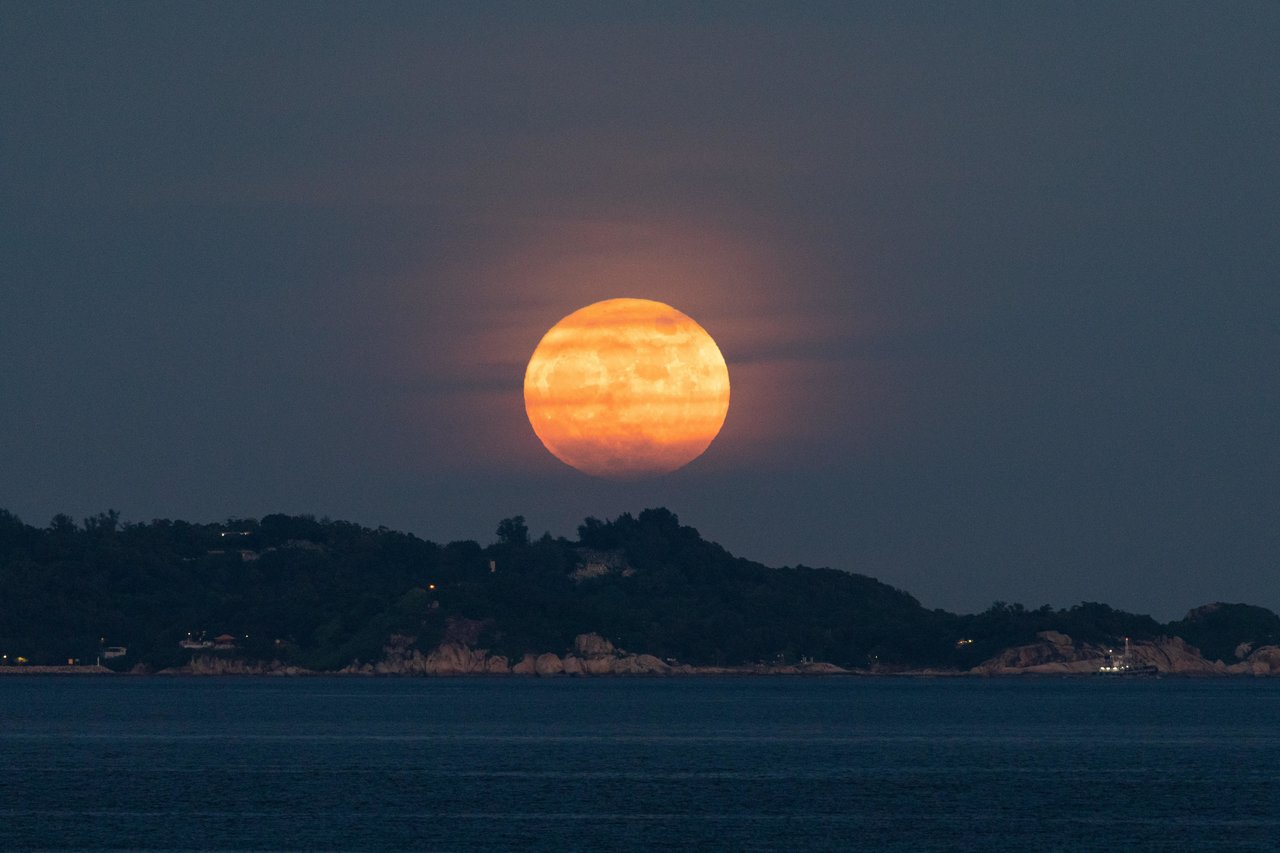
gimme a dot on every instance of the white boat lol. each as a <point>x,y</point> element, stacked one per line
<point>1122,664</point>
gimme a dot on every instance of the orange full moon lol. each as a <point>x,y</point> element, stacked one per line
<point>626,388</point>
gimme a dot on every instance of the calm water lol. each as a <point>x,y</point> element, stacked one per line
<point>733,763</point>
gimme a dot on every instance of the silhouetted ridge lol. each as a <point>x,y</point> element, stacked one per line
<point>321,594</point>
<point>1219,630</point>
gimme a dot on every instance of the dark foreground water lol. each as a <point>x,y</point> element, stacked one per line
<point>723,763</point>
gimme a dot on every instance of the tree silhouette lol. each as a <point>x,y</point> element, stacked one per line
<point>513,532</point>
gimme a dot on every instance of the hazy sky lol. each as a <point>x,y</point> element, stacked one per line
<point>997,283</point>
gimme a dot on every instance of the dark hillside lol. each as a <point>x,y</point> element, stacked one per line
<point>321,594</point>
<point>1217,630</point>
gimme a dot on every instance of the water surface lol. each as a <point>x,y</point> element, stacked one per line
<point>765,763</point>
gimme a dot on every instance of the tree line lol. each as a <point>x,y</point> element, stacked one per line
<point>322,594</point>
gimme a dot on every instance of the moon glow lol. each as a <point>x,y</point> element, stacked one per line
<point>626,388</point>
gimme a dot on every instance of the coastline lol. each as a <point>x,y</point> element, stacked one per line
<point>86,669</point>
<point>254,671</point>
<point>244,669</point>
<point>1052,655</point>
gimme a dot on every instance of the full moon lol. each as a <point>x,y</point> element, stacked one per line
<point>626,388</point>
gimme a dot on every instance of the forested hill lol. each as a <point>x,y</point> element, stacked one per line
<point>321,594</point>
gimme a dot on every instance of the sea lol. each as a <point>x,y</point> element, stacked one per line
<point>741,763</point>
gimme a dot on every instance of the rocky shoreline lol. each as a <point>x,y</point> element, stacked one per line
<point>1056,654</point>
<point>1053,654</point>
<point>72,669</point>
<point>592,655</point>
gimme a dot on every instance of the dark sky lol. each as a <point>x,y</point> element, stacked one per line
<point>996,283</point>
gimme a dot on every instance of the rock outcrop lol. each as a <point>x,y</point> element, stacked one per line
<point>592,655</point>
<point>1261,661</point>
<point>1174,655</point>
<point>547,664</point>
<point>452,659</point>
<point>592,646</point>
<point>640,665</point>
<point>1053,653</point>
<point>216,665</point>
<point>1056,653</point>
